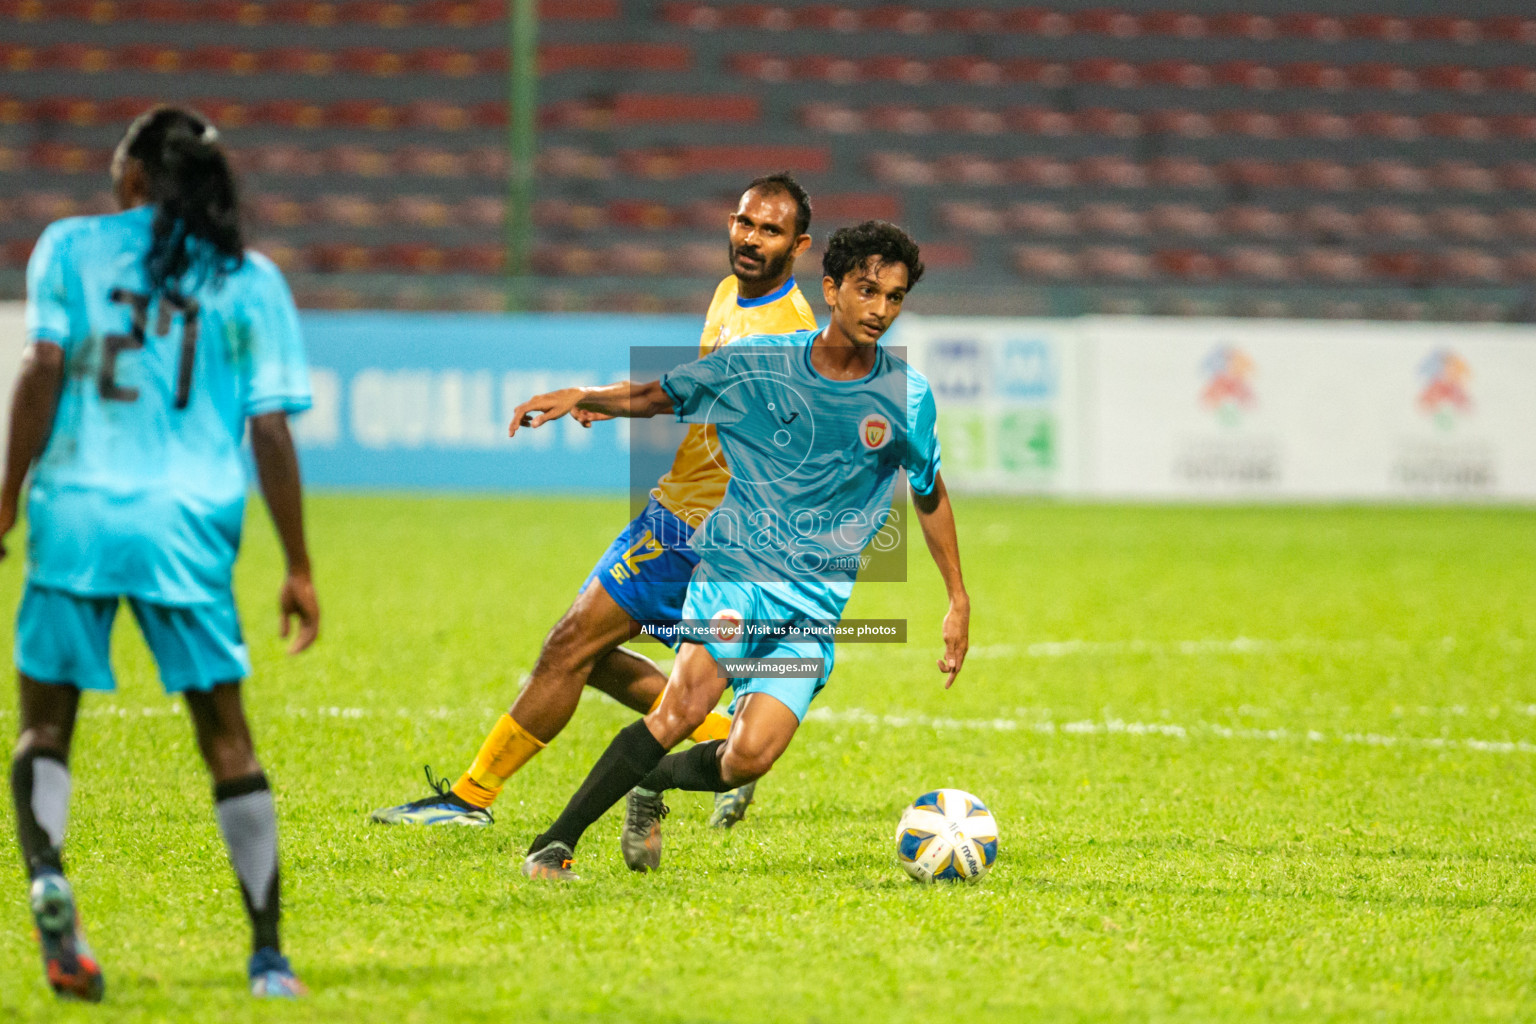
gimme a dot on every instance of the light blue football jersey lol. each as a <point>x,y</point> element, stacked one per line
<point>813,461</point>
<point>141,489</point>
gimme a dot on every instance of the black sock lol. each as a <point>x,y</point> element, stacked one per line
<point>248,820</point>
<point>696,769</point>
<point>628,759</point>
<point>40,791</point>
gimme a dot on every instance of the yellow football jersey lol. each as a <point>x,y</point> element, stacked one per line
<point>696,482</point>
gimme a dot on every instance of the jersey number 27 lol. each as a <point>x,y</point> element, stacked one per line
<point>112,344</point>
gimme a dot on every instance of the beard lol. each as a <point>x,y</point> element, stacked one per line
<point>770,269</point>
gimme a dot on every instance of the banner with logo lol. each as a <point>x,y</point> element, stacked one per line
<point>1260,409</point>
<point>1007,392</point>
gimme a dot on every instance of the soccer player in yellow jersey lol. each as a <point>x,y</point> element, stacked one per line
<point>642,579</point>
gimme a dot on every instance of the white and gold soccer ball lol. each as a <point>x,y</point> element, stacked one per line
<point>946,835</point>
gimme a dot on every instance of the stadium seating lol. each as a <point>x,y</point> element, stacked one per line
<point>1122,147</point>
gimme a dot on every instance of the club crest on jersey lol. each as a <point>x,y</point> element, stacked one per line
<point>874,431</point>
<point>726,625</point>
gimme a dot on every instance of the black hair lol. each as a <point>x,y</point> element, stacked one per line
<point>874,241</point>
<point>786,183</point>
<point>197,216</point>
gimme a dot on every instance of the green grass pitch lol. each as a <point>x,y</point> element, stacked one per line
<point>1247,764</point>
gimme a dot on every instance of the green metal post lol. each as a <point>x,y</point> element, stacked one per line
<point>523,45</point>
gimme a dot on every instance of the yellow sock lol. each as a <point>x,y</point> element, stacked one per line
<point>505,750</point>
<point>716,727</point>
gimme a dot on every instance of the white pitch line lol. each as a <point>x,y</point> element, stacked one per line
<point>1167,730</point>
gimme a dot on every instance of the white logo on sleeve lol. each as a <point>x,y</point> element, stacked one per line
<point>726,625</point>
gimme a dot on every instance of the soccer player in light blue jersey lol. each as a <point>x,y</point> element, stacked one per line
<point>153,337</point>
<point>815,426</point>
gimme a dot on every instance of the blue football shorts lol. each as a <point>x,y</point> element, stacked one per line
<point>712,600</point>
<point>647,568</point>
<point>65,639</point>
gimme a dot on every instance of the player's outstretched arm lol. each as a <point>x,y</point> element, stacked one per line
<point>938,522</point>
<point>626,398</point>
<point>277,467</point>
<point>33,405</point>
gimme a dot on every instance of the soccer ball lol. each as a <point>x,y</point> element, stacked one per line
<point>947,834</point>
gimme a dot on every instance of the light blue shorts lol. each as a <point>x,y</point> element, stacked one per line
<point>64,638</point>
<point>760,603</point>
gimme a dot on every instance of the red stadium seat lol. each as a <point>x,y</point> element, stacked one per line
<point>381,13</point>
<point>643,214</point>
<point>353,211</point>
<point>761,66</point>
<point>48,206</point>
<point>373,61</point>
<point>970,169</point>
<point>1183,219</point>
<point>228,60</point>
<point>297,60</point>
<point>411,258</point>
<point>1105,71</point>
<point>1513,78</point>
<point>1189,124</point>
<point>903,119</point>
<point>1113,172</point>
<point>283,159</point>
<point>1448,29</point>
<point>1388,125</point>
<point>437,115</point>
<point>363,161</point>
<point>1511,29</point>
<point>1519,222</point>
<point>339,257</point>
<point>1247,26</point>
<point>1116,262</point>
<point>905,70</point>
<point>431,162</point>
<point>634,108</point>
<point>1040,219</point>
<point>14,111</point>
<point>912,21</point>
<point>1031,21</point>
<point>245,13</point>
<point>1041,121</point>
<point>971,70</point>
<point>1333,264</point>
<point>63,158</point>
<point>93,60</point>
<point>478,259</point>
<point>1254,220</point>
<point>832,117</point>
<point>570,162</point>
<point>56,110</point>
<point>1257,124</point>
<point>314,13</point>
<point>370,114</point>
<point>16,57</point>
<point>902,169</point>
<point>1184,172</point>
<point>1047,73</point>
<point>1517,176</point>
<point>1121,124</point>
<point>1107,22</point>
<point>15,253</point>
<point>481,212</point>
<point>1323,175</point>
<point>1181,74</point>
<point>1311,74</point>
<point>976,21</point>
<point>166,12</point>
<point>1320,124</point>
<point>1112,219</point>
<point>834,69</point>
<point>975,120</point>
<point>445,61</point>
<point>701,17</point>
<point>1186,264</point>
<point>279,211</point>
<point>1393,176</point>
<point>1260,263</point>
<point>1463,176</point>
<point>1402,265</point>
<point>1183,24</point>
<point>1521,266</point>
<point>1255,173</point>
<point>1385,77</point>
<point>1393,222</point>
<point>971,218</point>
<point>1383,27</point>
<point>1464,222</point>
<point>1327,223</point>
<point>1321,28</point>
<point>1466,127</point>
<point>461,13</point>
<point>291,114</point>
<point>1042,172</point>
<point>1514,126</point>
<point>1453,78</point>
<point>1045,262</point>
<point>1476,266</point>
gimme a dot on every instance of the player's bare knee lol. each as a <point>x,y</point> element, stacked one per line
<point>679,714</point>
